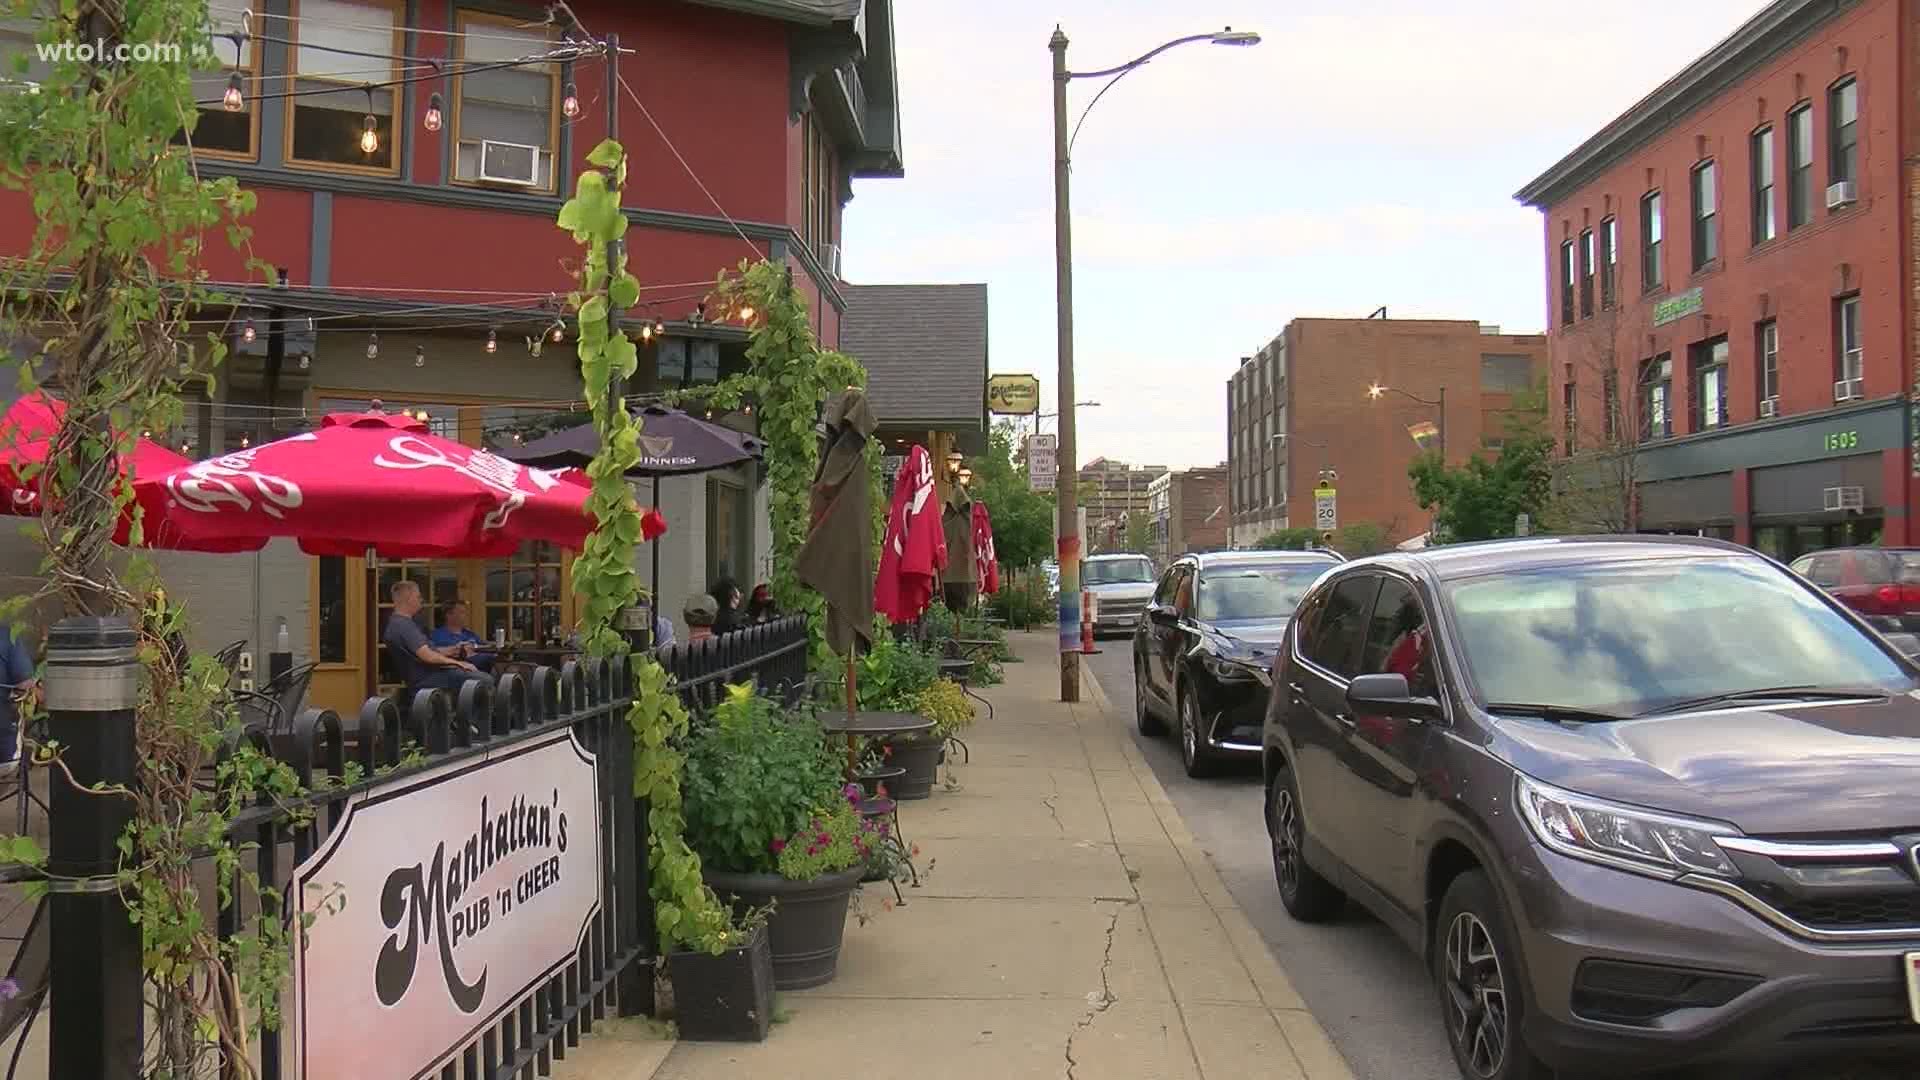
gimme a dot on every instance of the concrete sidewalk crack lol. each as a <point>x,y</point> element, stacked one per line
<point>1100,1004</point>
<point>1050,801</point>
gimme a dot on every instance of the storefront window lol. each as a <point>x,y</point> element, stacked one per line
<point>524,596</point>
<point>332,608</point>
<point>439,582</point>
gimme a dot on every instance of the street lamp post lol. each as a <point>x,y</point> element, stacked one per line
<point>1376,390</point>
<point>1066,499</point>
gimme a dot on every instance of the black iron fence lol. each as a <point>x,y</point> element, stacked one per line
<point>428,829</point>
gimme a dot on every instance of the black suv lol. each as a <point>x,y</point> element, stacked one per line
<point>1639,801</point>
<point>1204,649</point>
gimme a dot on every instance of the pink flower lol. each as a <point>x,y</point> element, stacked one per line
<point>778,845</point>
<point>826,837</point>
<point>852,792</point>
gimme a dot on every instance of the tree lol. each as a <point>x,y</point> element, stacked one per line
<point>1481,499</point>
<point>1597,475</point>
<point>1139,531</point>
<point>1362,538</point>
<point>1023,519</point>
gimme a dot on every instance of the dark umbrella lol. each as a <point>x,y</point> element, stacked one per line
<point>672,443</point>
<point>837,559</point>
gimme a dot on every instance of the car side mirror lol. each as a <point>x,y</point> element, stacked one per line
<point>1388,695</point>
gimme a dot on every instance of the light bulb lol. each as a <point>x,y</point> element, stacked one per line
<point>245,442</point>
<point>433,119</point>
<point>373,346</point>
<point>748,410</point>
<point>369,138</point>
<point>147,434</point>
<point>570,104</point>
<point>493,343</point>
<point>234,100</point>
<point>559,333</point>
<point>246,332</point>
<point>419,356</point>
<point>660,327</point>
<point>746,313</point>
<point>646,332</point>
<point>311,328</point>
<point>305,361</point>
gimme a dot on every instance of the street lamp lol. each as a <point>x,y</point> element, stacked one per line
<point>1373,394</point>
<point>1066,504</point>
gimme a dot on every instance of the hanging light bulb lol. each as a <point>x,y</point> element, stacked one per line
<point>235,99</point>
<point>311,328</point>
<point>570,104</point>
<point>147,434</point>
<point>305,361</point>
<point>373,346</point>
<point>493,343</point>
<point>748,410</point>
<point>646,331</point>
<point>433,119</point>
<point>246,332</point>
<point>419,356</point>
<point>559,332</point>
<point>245,442</point>
<point>369,138</point>
<point>659,327</point>
<point>746,313</point>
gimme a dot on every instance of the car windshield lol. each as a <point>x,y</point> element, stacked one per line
<point>1256,592</point>
<point>1631,638</point>
<point>1118,572</point>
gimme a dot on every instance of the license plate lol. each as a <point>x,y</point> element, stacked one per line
<point>1912,963</point>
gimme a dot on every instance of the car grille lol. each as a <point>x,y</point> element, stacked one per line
<point>1116,608</point>
<point>1839,887</point>
<point>1872,911</point>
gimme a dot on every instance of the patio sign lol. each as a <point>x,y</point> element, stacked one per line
<point>439,902</point>
<point>1678,306</point>
<point>1013,395</point>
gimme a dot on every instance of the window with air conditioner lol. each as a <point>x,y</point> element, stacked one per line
<point>1843,132</point>
<point>506,121</point>
<point>1767,348</point>
<point>333,121</point>
<point>1850,357</point>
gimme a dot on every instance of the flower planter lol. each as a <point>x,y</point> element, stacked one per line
<point>809,918</point>
<point>871,779</point>
<point>725,998</point>
<point>920,756</point>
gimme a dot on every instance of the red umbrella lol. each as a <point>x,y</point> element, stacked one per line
<point>986,564</point>
<point>371,480</point>
<point>914,548</point>
<point>27,430</point>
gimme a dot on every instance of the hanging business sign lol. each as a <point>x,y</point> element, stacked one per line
<point>1013,395</point>
<point>440,902</point>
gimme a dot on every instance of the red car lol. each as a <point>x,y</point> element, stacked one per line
<point>1882,584</point>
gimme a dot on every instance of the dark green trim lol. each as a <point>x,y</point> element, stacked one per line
<point>320,254</point>
<point>1879,425</point>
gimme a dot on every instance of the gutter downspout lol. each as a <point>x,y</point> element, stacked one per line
<point>1909,375</point>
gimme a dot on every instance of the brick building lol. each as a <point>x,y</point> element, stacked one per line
<point>1188,508</point>
<point>1111,492</point>
<point>1729,266</point>
<point>1301,405</point>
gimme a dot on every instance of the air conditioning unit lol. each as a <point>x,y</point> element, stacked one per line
<point>509,163</point>
<point>1849,390</point>
<point>1769,407</point>
<point>1845,498</point>
<point>1843,193</point>
<point>830,256</point>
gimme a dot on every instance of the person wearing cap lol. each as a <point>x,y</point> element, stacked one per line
<point>700,613</point>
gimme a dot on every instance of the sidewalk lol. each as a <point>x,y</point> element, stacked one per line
<point>1070,928</point>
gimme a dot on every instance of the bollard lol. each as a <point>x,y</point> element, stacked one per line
<point>91,682</point>
<point>1088,619</point>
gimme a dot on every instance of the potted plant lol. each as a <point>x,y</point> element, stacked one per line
<point>892,677</point>
<point>725,996</point>
<point>766,812</point>
<point>947,706</point>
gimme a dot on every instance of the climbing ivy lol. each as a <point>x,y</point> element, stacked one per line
<point>790,377</point>
<point>686,912</point>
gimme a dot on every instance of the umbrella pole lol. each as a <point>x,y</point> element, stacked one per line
<point>852,697</point>
<point>653,594</point>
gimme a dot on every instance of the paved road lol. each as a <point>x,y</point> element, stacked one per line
<point>1366,988</point>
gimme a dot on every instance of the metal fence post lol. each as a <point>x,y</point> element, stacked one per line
<point>91,686</point>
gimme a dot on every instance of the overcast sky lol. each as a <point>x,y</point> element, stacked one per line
<point>1364,154</point>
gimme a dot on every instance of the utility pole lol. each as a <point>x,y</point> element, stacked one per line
<point>617,385</point>
<point>1065,497</point>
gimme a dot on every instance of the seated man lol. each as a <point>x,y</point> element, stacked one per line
<point>456,639</point>
<point>700,613</point>
<point>419,665</point>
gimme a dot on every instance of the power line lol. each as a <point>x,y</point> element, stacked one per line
<point>390,83</point>
<point>694,176</point>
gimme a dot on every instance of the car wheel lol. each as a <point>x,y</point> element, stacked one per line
<point>1143,717</point>
<point>1306,895</point>
<point>1195,754</point>
<point>1476,969</point>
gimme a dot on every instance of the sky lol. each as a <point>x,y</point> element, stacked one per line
<point>1365,154</point>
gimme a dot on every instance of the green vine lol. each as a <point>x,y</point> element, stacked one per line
<point>686,912</point>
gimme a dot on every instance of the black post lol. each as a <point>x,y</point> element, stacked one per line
<point>91,686</point>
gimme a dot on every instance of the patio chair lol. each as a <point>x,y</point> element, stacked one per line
<point>31,970</point>
<point>229,655</point>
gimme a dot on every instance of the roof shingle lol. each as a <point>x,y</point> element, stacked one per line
<point>925,351</point>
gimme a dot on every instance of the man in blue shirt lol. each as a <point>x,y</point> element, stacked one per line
<point>419,665</point>
<point>17,684</point>
<point>457,639</point>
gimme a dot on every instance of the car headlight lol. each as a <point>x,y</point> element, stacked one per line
<point>1232,671</point>
<point>1624,837</point>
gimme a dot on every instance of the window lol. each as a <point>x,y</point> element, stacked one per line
<point>1851,362</point>
<point>1566,283</point>
<point>1569,415</point>
<point>217,131</point>
<point>18,34</point>
<point>1761,156</point>
<point>1706,230</point>
<point>505,121</point>
<point>1335,639</point>
<point>1611,422</point>
<point>1656,397</point>
<point>1586,274</point>
<point>1650,278</point>
<point>819,193</point>
<point>1767,345</point>
<point>1799,166</point>
<point>1609,256</point>
<point>1505,374</point>
<point>332,630</point>
<point>1843,132</point>
<point>328,116</point>
<point>1709,363</point>
<point>523,595</point>
<point>1398,642</point>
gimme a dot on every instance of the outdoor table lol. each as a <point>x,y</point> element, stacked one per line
<point>961,672</point>
<point>873,725</point>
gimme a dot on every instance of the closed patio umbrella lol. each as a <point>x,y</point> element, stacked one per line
<point>837,559</point>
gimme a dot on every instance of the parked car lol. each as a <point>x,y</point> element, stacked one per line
<point>1880,583</point>
<point>1204,653</point>
<point>1646,801</point>
<point>1121,586</point>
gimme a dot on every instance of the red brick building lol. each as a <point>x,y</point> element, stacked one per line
<point>1188,509</point>
<point>1301,406</point>
<point>1729,282</point>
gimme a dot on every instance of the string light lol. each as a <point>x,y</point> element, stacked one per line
<point>235,99</point>
<point>493,343</point>
<point>646,331</point>
<point>534,345</point>
<point>746,313</point>
<point>246,332</point>
<point>369,138</point>
<point>311,327</point>
<point>559,332</point>
<point>433,118</point>
<point>245,442</point>
<point>419,356</point>
<point>570,104</point>
<point>659,327</point>
<point>305,361</point>
<point>373,346</point>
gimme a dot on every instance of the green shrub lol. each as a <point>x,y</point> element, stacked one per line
<point>754,777</point>
<point>832,840</point>
<point>945,705</point>
<point>893,673</point>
